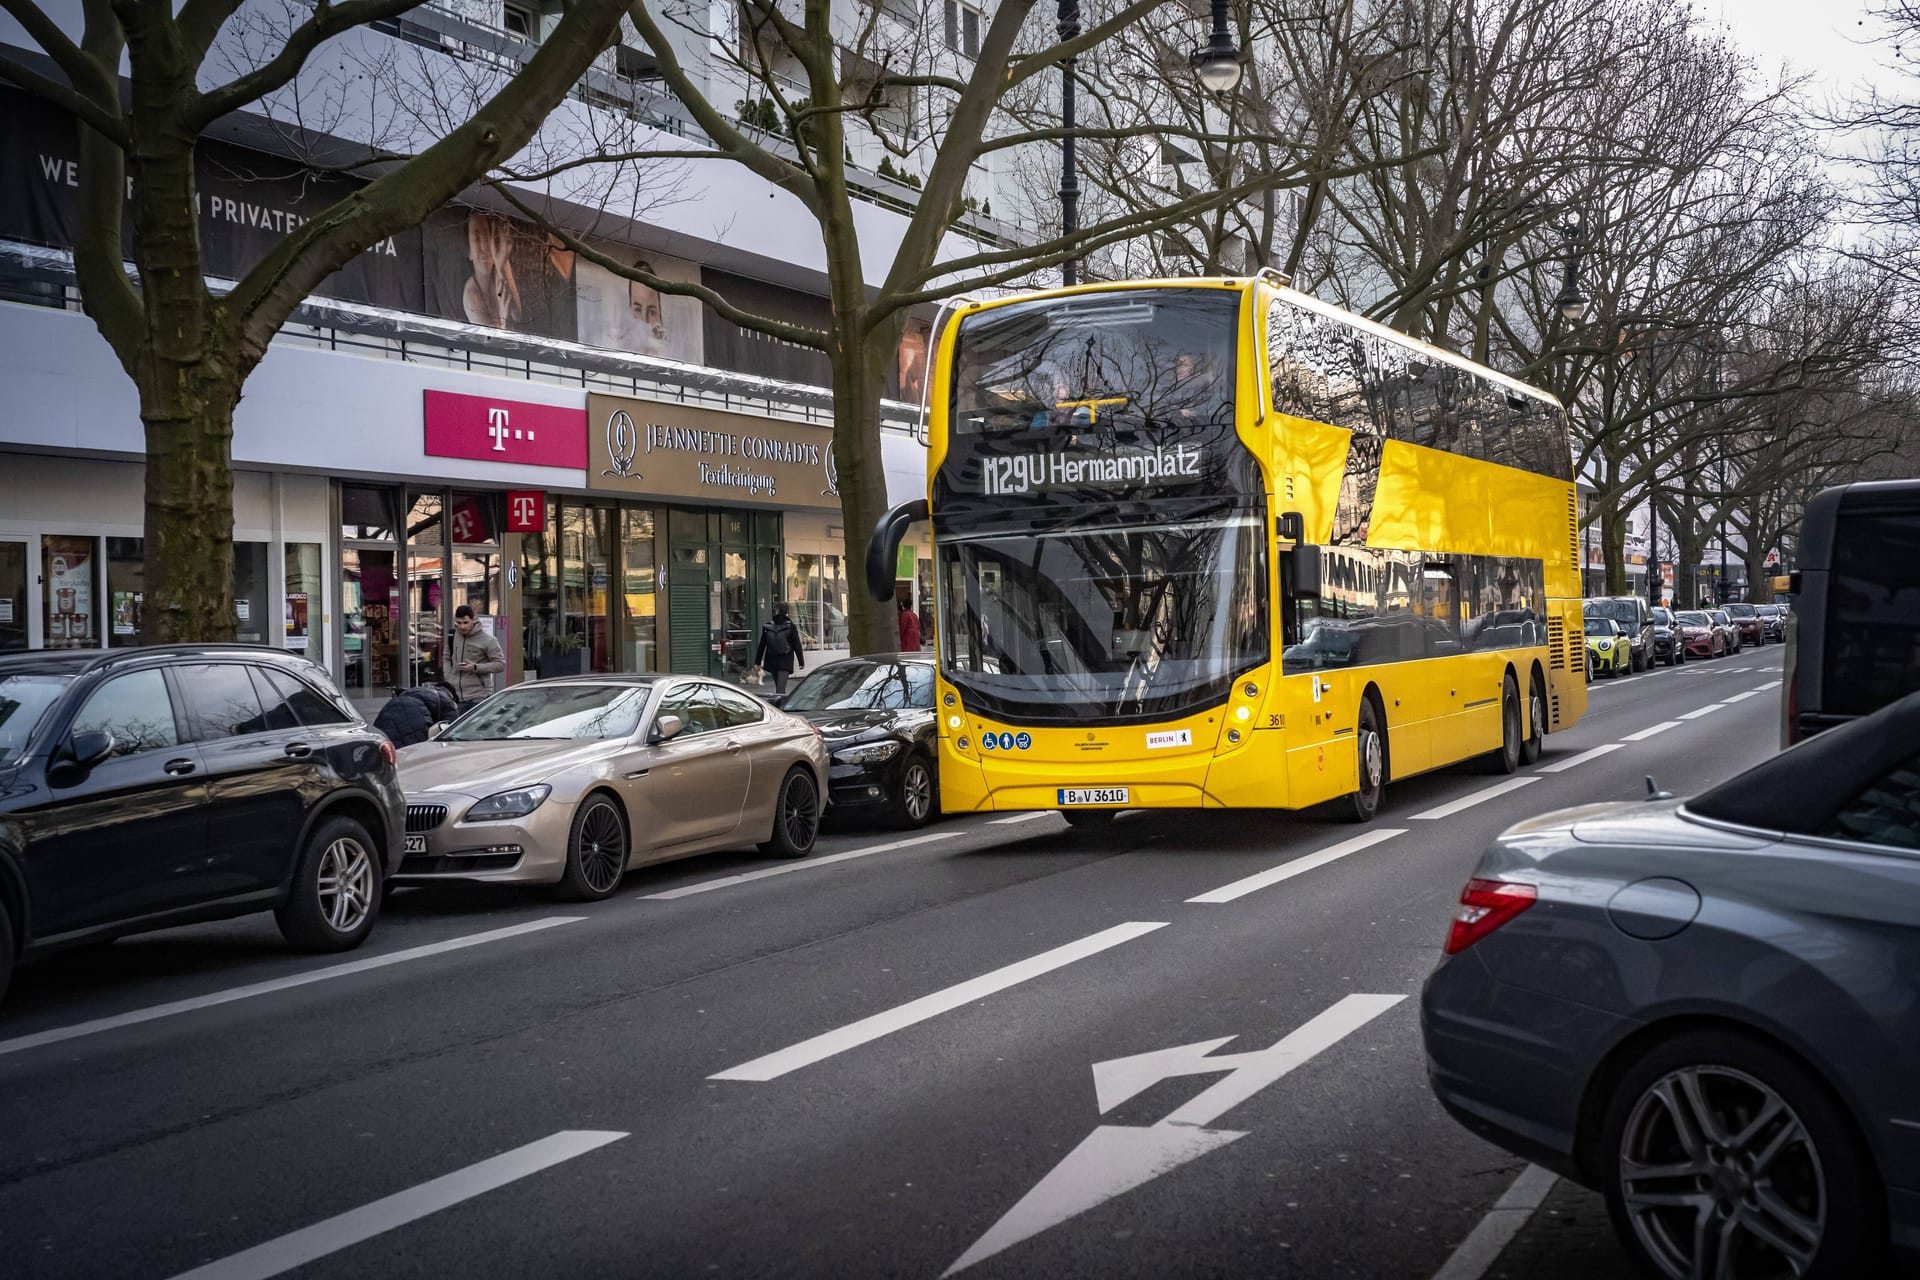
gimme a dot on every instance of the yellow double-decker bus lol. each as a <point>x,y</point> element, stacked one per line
<point>1215,544</point>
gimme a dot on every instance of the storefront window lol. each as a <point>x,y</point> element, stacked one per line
<point>70,592</point>
<point>474,520</point>
<point>817,592</point>
<point>366,514</point>
<point>250,586</point>
<point>368,593</point>
<point>304,594</point>
<point>539,572</point>
<point>924,583</point>
<point>428,617</point>
<point>126,591</point>
<point>640,594</point>
<point>585,543</point>
<point>13,594</point>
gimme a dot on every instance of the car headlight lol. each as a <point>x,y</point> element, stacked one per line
<point>873,753</point>
<point>510,804</point>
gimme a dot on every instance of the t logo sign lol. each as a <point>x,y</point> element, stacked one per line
<point>504,432</point>
<point>526,511</point>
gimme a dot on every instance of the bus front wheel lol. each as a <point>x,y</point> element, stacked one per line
<point>1371,743</point>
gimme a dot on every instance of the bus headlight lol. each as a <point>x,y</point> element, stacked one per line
<point>1243,713</point>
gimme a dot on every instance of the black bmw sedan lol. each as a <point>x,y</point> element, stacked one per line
<point>876,715</point>
<point>1706,1009</point>
<point>152,787</point>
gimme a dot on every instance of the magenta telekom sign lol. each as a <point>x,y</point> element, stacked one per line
<point>488,430</point>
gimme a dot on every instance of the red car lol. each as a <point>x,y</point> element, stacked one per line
<point>1702,637</point>
<point>1753,627</point>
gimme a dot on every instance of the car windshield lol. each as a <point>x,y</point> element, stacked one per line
<point>24,702</point>
<point>579,711</point>
<point>1132,620</point>
<point>1624,612</point>
<point>1741,610</point>
<point>1693,619</point>
<point>861,685</point>
<point>1601,626</point>
<point>1719,615</point>
<point>1663,616</point>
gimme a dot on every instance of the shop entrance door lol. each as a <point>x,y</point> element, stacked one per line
<point>721,587</point>
<point>15,578</point>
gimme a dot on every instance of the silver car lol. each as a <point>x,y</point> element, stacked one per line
<point>1709,1011</point>
<point>572,782</point>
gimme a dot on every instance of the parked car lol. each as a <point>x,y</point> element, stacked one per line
<point>1669,646</point>
<point>1853,644</point>
<point>1775,618</point>
<point>877,718</point>
<point>1703,639</point>
<point>1729,633</point>
<point>1609,652</point>
<point>1635,617</point>
<point>1705,1009</point>
<point>1752,627</point>
<point>573,782</point>
<point>151,787</point>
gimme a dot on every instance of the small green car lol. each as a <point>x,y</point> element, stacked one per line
<point>1608,650</point>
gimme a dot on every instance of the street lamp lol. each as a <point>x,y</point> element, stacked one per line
<point>1572,303</point>
<point>1216,64</point>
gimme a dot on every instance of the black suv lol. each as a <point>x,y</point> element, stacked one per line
<point>154,787</point>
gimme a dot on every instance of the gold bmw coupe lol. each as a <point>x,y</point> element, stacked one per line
<point>573,782</point>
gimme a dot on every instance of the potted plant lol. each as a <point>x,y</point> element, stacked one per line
<point>561,655</point>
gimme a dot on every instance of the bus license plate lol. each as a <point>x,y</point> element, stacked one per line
<point>1093,795</point>
<point>415,844</point>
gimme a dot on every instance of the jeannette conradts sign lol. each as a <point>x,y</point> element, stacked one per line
<point>646,447</point>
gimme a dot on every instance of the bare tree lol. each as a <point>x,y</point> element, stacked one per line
<point>810,83</point>
<point>188,349</point>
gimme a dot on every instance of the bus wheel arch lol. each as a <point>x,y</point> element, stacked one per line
<point>1536,715</point>
<point>1373,766</point>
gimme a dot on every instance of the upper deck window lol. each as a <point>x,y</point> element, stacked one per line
<point>1119,359</point>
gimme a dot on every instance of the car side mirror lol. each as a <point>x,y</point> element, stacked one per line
<point>667,728</point>
<point>437,728</point>
<point>777,700</point>
<point>81,752</point>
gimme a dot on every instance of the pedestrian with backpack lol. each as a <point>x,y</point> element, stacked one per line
<point>778,652</point>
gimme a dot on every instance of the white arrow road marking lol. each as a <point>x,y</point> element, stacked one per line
<point>1288,870</point>
<point>1114,1159</point>
<point>885,1023</point>
<point>334,1234</point>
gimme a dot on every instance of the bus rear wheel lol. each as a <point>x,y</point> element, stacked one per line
<point>1364,802</point>
<point>1536,721</point>
<point>1507,758</point>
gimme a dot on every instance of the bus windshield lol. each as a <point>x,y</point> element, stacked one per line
<point>1126,358</point>
<point>1137,620</point>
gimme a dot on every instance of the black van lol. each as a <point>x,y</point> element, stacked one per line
<point>1853,639</point>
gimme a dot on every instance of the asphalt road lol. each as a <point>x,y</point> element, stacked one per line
<point>876,1064</point>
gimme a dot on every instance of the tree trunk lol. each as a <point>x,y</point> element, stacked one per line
<point>1613,549</point>
<point>189,502</point>
<point>857,383</point>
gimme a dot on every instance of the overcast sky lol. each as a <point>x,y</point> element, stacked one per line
<point>1820,38</point>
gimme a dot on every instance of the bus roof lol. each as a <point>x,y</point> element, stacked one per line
<point>1240,284</point>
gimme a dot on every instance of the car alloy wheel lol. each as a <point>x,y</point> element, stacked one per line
<point>916,793</point>
<point>796,816</point>
<point>1719,1176</point>
<point>346,884</point>
<point>602,847</point>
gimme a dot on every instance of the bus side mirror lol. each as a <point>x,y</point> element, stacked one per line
<point>1304,572</point>
<point>1290,526</point>
<point>883,548</point>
